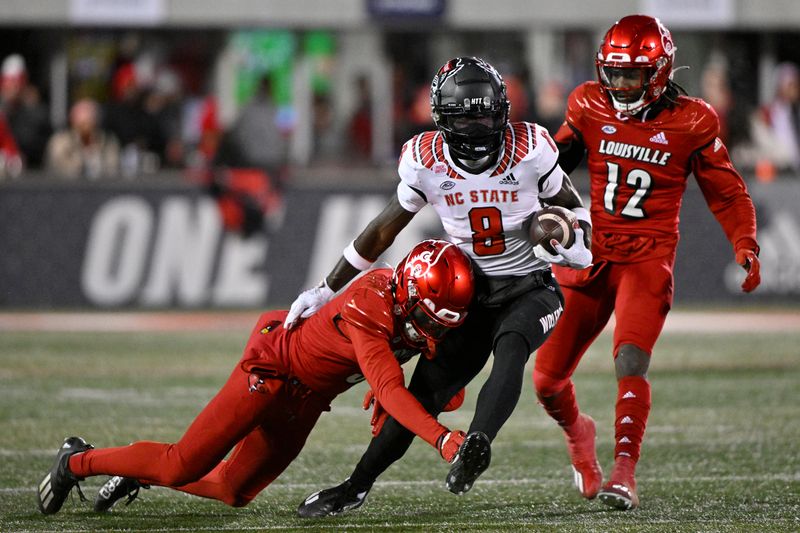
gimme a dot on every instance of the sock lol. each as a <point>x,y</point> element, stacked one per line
<point>632,410</point>
<point>562,406</point>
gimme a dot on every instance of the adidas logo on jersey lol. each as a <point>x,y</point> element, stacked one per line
<point>628,394</point>
<point>509,180</point>
<point>659,138</point>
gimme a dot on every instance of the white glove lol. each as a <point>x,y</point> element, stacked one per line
<point>576,256</point>
<point>308,303</point>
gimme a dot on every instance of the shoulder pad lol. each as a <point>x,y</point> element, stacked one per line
<point>699,118</point>
<point>519,144</point>
<point>420,149</point>
<point>368,303</point>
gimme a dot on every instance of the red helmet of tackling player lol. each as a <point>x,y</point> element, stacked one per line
<point>634,62</point>
<point>433,289</point>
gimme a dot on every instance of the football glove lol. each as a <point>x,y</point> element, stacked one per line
<point>448,444</point>
<point>577,256</point>
<point>308,303</point>
<point>379,414</point>
<point>749,261</point>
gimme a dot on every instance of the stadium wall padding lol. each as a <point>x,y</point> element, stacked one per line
<point>124,246</point>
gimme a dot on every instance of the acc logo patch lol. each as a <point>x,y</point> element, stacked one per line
<point>439,168</point>
<point>447,185</point>
<point>609,129</point>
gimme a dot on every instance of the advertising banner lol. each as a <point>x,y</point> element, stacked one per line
<point>129,246</point>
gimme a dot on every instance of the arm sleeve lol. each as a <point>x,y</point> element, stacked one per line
<point>385,377</point>
<point>568,138</point>
<point>726,194</point>
<point>570,147</point>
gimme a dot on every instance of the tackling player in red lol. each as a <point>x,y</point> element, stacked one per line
<point>283,383</point>
<point>643,137</point>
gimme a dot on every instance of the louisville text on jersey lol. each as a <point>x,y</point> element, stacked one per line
<point>632,151</point>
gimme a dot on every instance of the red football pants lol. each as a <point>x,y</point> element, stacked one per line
<point>640,295</point>
<point>266,428</point>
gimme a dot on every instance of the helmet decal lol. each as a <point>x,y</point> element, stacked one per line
<point>418,265</point>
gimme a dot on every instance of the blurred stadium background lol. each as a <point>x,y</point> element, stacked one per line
<point>238,146</point>
<point>244,145</point>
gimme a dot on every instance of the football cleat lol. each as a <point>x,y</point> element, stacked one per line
<point>619,495</point>
<point>471,461</point>
<point>620,491</point>
<point>115,489</point>
<point>57,484</point>
<point>333,501</point>
<point>588,475</point>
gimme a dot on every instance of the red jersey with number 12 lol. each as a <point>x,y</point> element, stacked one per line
<point>639,171</point>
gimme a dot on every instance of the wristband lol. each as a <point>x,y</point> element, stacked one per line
<point>581,213</point>
<point>354,258</point>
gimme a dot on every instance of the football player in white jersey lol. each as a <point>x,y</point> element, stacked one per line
<point>485,177</point>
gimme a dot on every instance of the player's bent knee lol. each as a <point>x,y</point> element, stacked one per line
<point>631,361</point>
<point>237,500</point>
<point>547,386</point>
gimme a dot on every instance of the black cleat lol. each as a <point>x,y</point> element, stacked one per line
<point>471,461</point>
<point>333,501</point>
<point>115,489</point>
<point>57,484</point>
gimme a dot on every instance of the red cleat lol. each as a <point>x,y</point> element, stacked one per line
<point>620,491</point>
<point>580,443</point>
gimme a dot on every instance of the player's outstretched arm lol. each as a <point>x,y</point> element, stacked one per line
<point>357,256</point>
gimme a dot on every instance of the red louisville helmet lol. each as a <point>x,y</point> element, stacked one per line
<point>433,289</point>
<point>634,62</point>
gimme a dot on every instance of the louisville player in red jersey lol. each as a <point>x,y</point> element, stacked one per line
<point>283,383</point>
<point>643,137</point>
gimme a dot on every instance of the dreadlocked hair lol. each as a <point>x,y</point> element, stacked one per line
<point>672,92</point>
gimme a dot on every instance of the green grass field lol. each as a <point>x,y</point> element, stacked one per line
<point>722,451</point>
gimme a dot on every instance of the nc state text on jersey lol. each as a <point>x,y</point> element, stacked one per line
<point>632,151</point>
<point>482,196</point>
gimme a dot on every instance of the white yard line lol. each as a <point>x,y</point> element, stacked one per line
<point>784,478</point>
<point>679,321</point>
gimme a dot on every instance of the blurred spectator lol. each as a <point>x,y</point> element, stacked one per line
<point>518,96</point>
<point>10,160</point>
<point>84,150</point>
<point>360,125</point>
<point>137,131</point>
<point>776,126</point>
<point>200,131</point>
<point>715,89</point>
<point>256,140</point>
<point>550,106</point>
<point>327,140</point>
<point>163,105</point>
<point>26,116</point>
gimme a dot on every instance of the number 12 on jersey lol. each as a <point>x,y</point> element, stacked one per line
<point>639,180</point>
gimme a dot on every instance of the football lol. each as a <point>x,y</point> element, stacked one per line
<point>553,222</point>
